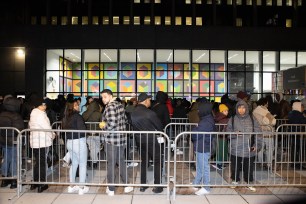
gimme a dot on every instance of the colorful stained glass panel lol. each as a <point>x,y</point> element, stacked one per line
<point>144,86</point>
<point>127,86</point>
<point>219,75</point>
<point>220,86</point>
<point>76,85</point>
<point>143,71</point>
<point>161,85</point>
<point>110,71</point>
<point>110,84</point>
<point>161,71</point>
<point>93,86</point>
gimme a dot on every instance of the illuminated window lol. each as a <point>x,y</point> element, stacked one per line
<point>116,20</point>
<point>218,2</point>
<point>74,20</point>
<point>95,20</point>
<point>54,20</point>
<point>84,20</point>
<point>269,2</point>
<point>43,20</point>
<point>157,1</point>
<point>238,22</point>
<point>187,1</point>
<point>249,2</point>
<point>33,20</point>
<point>229,2</point>
<point>238,2</point>
<point>157,20</point>
<point>198,1</point>
<point>167,20</point>
<point>209,2</point>
<point>136,20</point>
<point>279,2</point>
<point>137,1</point>
<point>178,20</point>
<point>198,21</point>
<point>299,2</point>
<point>146,1</point>
<point>105,20</point>
<point>126,20</point>
<point>288,23</point>
<point>288,2</point>
<point>188,21</point>
<point>258,2</point>
<point>147,20</point>
<point>64,20</point>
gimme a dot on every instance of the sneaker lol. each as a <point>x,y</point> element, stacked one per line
<point>179,152</point>
<point>128,189</point>
<point>132,164</point>
<point>110,193</point>
<point>83,190</point>
<point>251,188</point>
<point>202,191</point>
<point>234,184</point>
<point>73,189</point>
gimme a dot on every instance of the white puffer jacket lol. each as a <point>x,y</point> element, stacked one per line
<point>40,120</point>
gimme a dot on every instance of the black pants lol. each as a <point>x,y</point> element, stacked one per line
<point>39,171</point>
<point>244,164</point>
<point>296,149</point>
<point>151,149</point>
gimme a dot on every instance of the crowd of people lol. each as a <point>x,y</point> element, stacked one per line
<point>144,114</point>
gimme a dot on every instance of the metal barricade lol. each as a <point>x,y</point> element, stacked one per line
<point>227,176</point>
<point>56,173</point>
<point>179,120</point>
<point>280,122</point>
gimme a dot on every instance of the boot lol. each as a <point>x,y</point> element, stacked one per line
<point>5,183</point>
<point>13,184</point>
<point>42,187</point>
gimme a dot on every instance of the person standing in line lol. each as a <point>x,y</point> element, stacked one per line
<point>114,119</point>
<point>76,146</point>
<point>243,147</point>
<point>10,117</point>
<point>40,142</point>
<point>267,122</point>
<point>203,147</point>
<point>144,119</point>
<point>93,114</point>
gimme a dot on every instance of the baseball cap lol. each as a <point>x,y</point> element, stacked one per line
<point>143,96</point>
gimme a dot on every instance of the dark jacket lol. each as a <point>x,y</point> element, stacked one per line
<point>10,117</point>
<point>74,122</point>
<point>296,117</point>
<point>144,119</point>
<point>162,113</point>
<point>203,142</point>
<point>92,114</point>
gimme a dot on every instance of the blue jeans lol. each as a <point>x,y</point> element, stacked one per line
<point>203,170</point>
<point>9,165</point>
<point>77,149</point>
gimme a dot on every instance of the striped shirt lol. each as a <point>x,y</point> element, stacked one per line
<point>115,119</point>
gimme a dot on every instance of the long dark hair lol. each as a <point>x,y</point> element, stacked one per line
<point>69,111</point>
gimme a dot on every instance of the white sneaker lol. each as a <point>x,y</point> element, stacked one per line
<point>83,190</point>
<point>202,191</point>
<point>179,152</point>
<point>132,164</point>
<point>128,189</point>
<point>251,188</point>
<point>109,193</point>
<point>234,184</point>
<point>73,189</point>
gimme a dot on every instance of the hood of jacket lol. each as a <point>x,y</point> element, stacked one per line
<point>242,103</point>
<point>204,109</point>
<point>12,104</point>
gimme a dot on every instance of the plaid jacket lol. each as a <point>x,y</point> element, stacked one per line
<point>115,118</point>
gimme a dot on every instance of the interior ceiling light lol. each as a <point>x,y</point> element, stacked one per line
<point>20,52</point>
<point>202,55</point>
<point>138,57</point>
<point>235,55</point>
<point>107,56</point>
<point>169,56</point>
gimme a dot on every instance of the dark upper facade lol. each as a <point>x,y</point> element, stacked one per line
<point>155,24</point>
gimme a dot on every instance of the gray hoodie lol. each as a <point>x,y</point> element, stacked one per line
<point>240,144</point>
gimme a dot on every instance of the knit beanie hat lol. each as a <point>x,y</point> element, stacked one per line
<point>222,107</point>
<point>297,106</point>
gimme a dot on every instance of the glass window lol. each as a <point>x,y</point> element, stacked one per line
<point>187,1</point>
<point>109,63</point>
<point>279,2</point>
<point>127,75</point>
<point>238,22</point>
<point>95,20</point>
<point>198,1</point>
<point>288,2</point>
<point>300,2</point>
<point>146,1</point>
<point>116,20</point>
<point>287,60</point>
<point>249,2</point>
<point>126,20</point>
<point>54,74</point>
<point>267,85</point>
<point>251,63</point>
<point>157,20</point>
<point>64,20</point>
<point>33,20</point>
<point>147,20</point>
<point>218,75</point>
<point>137,1</point>
<point>238,2</point>
<point>269,2</point>
<point>43,20</point>
<point>258,2</point>
<point>136,20</point>
<point>164,59</point>
<point>229,2</point>
<point>72,72</point>
<point>157,1</point>
<point>105,20</point>
<point>209,1</point>
<point>269,61</point>
<point>167,20</point>
<point>54,20</point>
<point>74,20</point>
<point>84,20</point>
<point>92,74</point>
<point>199,21</point>
<point>301,58</point>
<point>178,20</point>
<point>188,21</point>
<point>288,23</point>
<point>145,67</point>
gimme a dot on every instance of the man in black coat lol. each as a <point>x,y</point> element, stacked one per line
<point>144,119</point>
